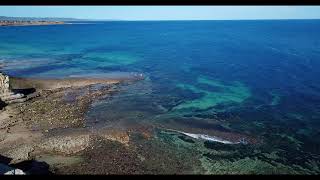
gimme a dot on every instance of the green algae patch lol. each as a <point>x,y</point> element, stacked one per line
<point>233,93</point>
<point>112,58</point>
<point>4,52</point>
<point>291,140</point>
<point>245,166</point>
<point>186,67</point>
<point>275,99</point>
<point>295,116</point>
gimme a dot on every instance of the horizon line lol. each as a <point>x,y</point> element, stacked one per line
<point>84,19</point>
<point>202,19</point>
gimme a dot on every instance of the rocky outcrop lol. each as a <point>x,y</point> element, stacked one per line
<point>51,84</point>
<point>6,94</point>
<point>66,144</point>
<point>119,136</point>
<point>20,153</point>
<point>4,84</point>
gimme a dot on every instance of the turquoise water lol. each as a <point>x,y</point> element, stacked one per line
<point>252,80</point>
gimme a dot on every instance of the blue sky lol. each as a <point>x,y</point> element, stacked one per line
<point>165,12</point>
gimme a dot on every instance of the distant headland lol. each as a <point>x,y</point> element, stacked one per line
<point>9,18</point>
<point>28,23</point>
<point>9,21</point>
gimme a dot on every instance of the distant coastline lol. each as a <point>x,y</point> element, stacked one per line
<point>28,23</point>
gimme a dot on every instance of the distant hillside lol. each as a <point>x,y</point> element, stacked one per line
<point>2,18</point>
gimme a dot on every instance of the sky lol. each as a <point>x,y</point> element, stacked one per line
<point>165,12</point>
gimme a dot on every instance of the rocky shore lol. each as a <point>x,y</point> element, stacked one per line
<point>43,121</point>
<point>28,23</point>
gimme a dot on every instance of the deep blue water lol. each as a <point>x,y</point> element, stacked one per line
<point>258,78</point>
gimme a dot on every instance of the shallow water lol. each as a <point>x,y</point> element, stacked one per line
<point>227,79</point>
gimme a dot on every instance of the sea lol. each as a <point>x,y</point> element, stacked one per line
<point>240,96</point>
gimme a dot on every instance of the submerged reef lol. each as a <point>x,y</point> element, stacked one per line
<point>233,93</point>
